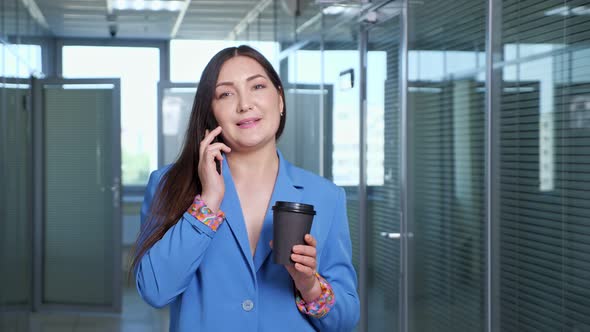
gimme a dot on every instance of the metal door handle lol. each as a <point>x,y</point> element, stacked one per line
<point>391,235</point>
<point>116,189</point>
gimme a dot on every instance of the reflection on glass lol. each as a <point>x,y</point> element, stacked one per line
<point>305,138</point>
<point>176,110</point>
<point>345,103</point>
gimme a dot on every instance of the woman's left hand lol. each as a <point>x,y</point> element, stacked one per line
<point>304,270</point>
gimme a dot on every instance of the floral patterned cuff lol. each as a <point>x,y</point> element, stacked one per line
<point>320,306</point>
<point>204,214</point>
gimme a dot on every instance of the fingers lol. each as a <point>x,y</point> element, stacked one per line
<point>304,269</point>
<point>305,261</point>
<point>210,155</point>
<point>211,151</point>
<point>305,250</point>
<point>211,134</point>
<point>298,269</point>
<point>219,147</point>
<point>214,152</point>
<point>310,240</point>
<point>208,139</point>
<point>308,250</point>
<point>304,256</point>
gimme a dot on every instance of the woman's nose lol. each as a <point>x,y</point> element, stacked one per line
<point>245,104</point>
<point>245,108</point>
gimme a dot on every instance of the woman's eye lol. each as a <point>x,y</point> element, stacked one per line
<point>259,86</point>
<point>223,95</point>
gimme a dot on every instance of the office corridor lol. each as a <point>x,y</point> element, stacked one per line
<point>458,129</point>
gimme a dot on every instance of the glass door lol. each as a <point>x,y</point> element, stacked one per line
<point>77,195</point>
<point>380,165</point>
<point>15,196</point>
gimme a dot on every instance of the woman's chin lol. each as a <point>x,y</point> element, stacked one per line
<point>252,143</point>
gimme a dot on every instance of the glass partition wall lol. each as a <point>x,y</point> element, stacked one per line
<point>489,101</point>
<point>446,176</point>
<point>458,129</point>
<point>543,195</point>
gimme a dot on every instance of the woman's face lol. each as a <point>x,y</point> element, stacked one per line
<point>246,104</point>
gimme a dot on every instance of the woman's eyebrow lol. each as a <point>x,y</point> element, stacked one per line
<point>247,80</point>
<point>254,77</point>
<point>224,83</point>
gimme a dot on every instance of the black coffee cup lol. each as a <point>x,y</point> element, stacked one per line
<point>291,221</point>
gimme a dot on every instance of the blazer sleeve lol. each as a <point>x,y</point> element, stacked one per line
<point>335,265</point>
<point>166,269</point>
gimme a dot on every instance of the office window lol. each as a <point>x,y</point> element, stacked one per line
<point>20,60</point>
<point>139,70</point>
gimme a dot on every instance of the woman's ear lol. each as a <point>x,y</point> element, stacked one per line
<point>281,102</point>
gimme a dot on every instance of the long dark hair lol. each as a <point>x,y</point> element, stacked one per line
<point>181,183</point>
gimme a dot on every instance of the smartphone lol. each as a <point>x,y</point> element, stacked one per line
<point>212,124</point>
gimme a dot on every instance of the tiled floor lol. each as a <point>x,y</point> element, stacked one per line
<point>136,316</point>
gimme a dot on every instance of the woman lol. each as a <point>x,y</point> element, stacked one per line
<point>205,244</point>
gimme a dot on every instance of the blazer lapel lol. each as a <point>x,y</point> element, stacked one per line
<point>234,216</point>
<point>286,189</point>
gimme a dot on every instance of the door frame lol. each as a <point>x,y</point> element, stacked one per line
<point>39,194</point>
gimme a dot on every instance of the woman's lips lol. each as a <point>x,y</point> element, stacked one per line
<point>248,123</point>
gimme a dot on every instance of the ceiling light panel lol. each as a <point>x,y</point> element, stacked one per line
<point>147,5</point>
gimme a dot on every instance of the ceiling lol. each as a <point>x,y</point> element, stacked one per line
<point>270,20</point>
<point>203,19</point>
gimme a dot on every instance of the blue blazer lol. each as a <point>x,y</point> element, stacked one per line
<point>213,283</point>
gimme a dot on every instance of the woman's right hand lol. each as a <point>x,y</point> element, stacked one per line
<point>213,187</point>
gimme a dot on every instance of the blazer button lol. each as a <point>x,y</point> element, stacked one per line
<point>247,305</point>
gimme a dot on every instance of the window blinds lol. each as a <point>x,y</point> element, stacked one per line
<point>545,167</point>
